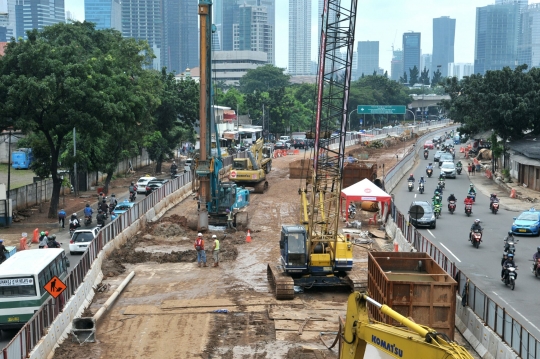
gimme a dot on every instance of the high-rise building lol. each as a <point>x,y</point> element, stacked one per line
<point>460,70</point>
<point>368,57</point>
<point>529,44</point>
<point>180,49</point>
<point>444,33</point>
<point>411,51</point>
<point>106,14</point>
<point>143,20</point>
<point>253,33</point>
<point>26,15</point>
<point>299,37</point>
<point>271,18</point>
<point>497,37</point>
<point>396,65</point>
<point>521,3</point>
<point>332,18</point>
<point>230,10</point>
<point>426,63</point>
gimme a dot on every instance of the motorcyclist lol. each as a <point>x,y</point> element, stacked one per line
<point>441,177</point>
<point>468,200</point>
<point>429,166</point>
<point>452,198</point>
<point>471,189</point>
<point>475,227</point>
<point>74,222</point>
<point>113,201</point>
<point>52,243</point>
<point>132,188</point>
<point>436,200</point>
<point>103,206</point>
<point>492,198</point>
<point>509,262</point>
<point>459,164</point>
<point>535,258</point>
<point>174,168</point>
<point>100,218</point>
<point>422,180</point>
<point>411,178</point>
<point>88,211</point>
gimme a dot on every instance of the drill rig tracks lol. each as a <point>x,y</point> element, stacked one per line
<point>280,281</point>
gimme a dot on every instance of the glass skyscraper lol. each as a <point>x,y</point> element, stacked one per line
<point>180,48</point>
<point>444,33</point>
<point>368,58</point>
<point>299,37</point>
<point>36,14</point>
<point>411,52</point>
<point>106,14</point>
<point>497,36</point>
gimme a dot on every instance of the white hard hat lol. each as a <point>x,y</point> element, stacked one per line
<point>214,236</point>
<point>199,234</point>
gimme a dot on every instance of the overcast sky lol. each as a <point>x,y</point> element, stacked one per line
<point>380,20</point>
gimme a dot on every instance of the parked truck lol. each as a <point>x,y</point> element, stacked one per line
<point>22,158</point>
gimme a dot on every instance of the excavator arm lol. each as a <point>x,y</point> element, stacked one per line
<point>415,342</point>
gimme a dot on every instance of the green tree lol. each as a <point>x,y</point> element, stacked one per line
<point>263,78</point>
<point>413,76</point>
<point>424,77</point>
<point>179,108</point>
<point>404,79</point>
<point>437,78</point>
<point>72,75</point>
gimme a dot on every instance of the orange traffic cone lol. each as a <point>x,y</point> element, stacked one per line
<point>35,238</point>
<point>248,237</point>
<point>513,193</point>
<point>396,246</point>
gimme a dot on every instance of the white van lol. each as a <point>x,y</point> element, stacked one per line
<point>284,138</point>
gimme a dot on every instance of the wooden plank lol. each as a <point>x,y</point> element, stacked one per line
<point>317,326</point>
<point>290,336</point>
<point>291,314</point>
<point>153,310</point>
<point>224,303</point>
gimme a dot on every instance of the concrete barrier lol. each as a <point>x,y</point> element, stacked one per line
<point>62,326</point>
<point>395,233</point>
<point>485,341</point>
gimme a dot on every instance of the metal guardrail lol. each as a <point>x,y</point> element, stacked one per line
<point>494,316</point>
<point>26,339</point>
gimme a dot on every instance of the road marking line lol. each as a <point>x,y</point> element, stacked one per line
<point>527,320</point>
<point>449,251</point>
<point>431,233</point>
<point>415,195</point>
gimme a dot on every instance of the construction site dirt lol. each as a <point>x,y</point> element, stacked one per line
<point>174,309</point>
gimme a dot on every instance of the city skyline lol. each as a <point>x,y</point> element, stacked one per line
<point>382,20</point>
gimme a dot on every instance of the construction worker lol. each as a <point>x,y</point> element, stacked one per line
<point>215,250</point>
<point>61,217</point>
<point>199,247</point>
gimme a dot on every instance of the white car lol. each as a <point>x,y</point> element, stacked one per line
<point>142,182</point>
<point>81,240</point>
<point>448,169</point>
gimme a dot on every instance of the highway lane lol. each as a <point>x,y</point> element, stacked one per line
<point>481,265</point>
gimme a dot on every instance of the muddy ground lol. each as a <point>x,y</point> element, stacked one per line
<point>169,308</point>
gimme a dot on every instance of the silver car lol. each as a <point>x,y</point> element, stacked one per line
<point>448,169</point>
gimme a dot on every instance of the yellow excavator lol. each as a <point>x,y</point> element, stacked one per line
<point>251,171</point>
<point>417,341</point>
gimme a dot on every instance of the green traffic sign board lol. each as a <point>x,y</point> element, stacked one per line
<point>381,110</point>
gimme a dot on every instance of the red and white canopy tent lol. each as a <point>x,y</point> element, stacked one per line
<point>364,190</point>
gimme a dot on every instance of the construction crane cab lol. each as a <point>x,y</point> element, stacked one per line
<point>414,341</point>
<point>251,171</point>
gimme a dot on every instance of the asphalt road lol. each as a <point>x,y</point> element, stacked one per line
<point>482,265</point>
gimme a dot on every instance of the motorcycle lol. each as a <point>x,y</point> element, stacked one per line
<point>494,207</point>
<point>510,277</point>
<point>476,238</point>
<point>441,183</point>
<point>173,174</point>
<point>132,196</point>
<point>437,210</point>
<point>426,154</point>
<point>112,206</point>
<point>352,211</point>
<point>429,172</point>
<point>421,187</point>
<point>510,248</point>
<point>472,195</point>
<point>536,268</point>
<point>87,220</point>
<point>410,184</point>
<point>468,209</point>
<point>459,169</point>
<point>452,206</point>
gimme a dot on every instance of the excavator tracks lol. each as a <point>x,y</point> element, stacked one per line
<point>261,187</point>
<point>280,282</point>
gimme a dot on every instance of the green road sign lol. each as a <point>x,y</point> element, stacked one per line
<point>381,110</point>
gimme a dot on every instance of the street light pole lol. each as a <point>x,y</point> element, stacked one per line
<point>414,116</point>
<point>350,119</point>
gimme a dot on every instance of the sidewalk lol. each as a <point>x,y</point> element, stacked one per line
<point>487,186</point>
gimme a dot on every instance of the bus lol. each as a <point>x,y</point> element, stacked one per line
<point>22,278</point>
